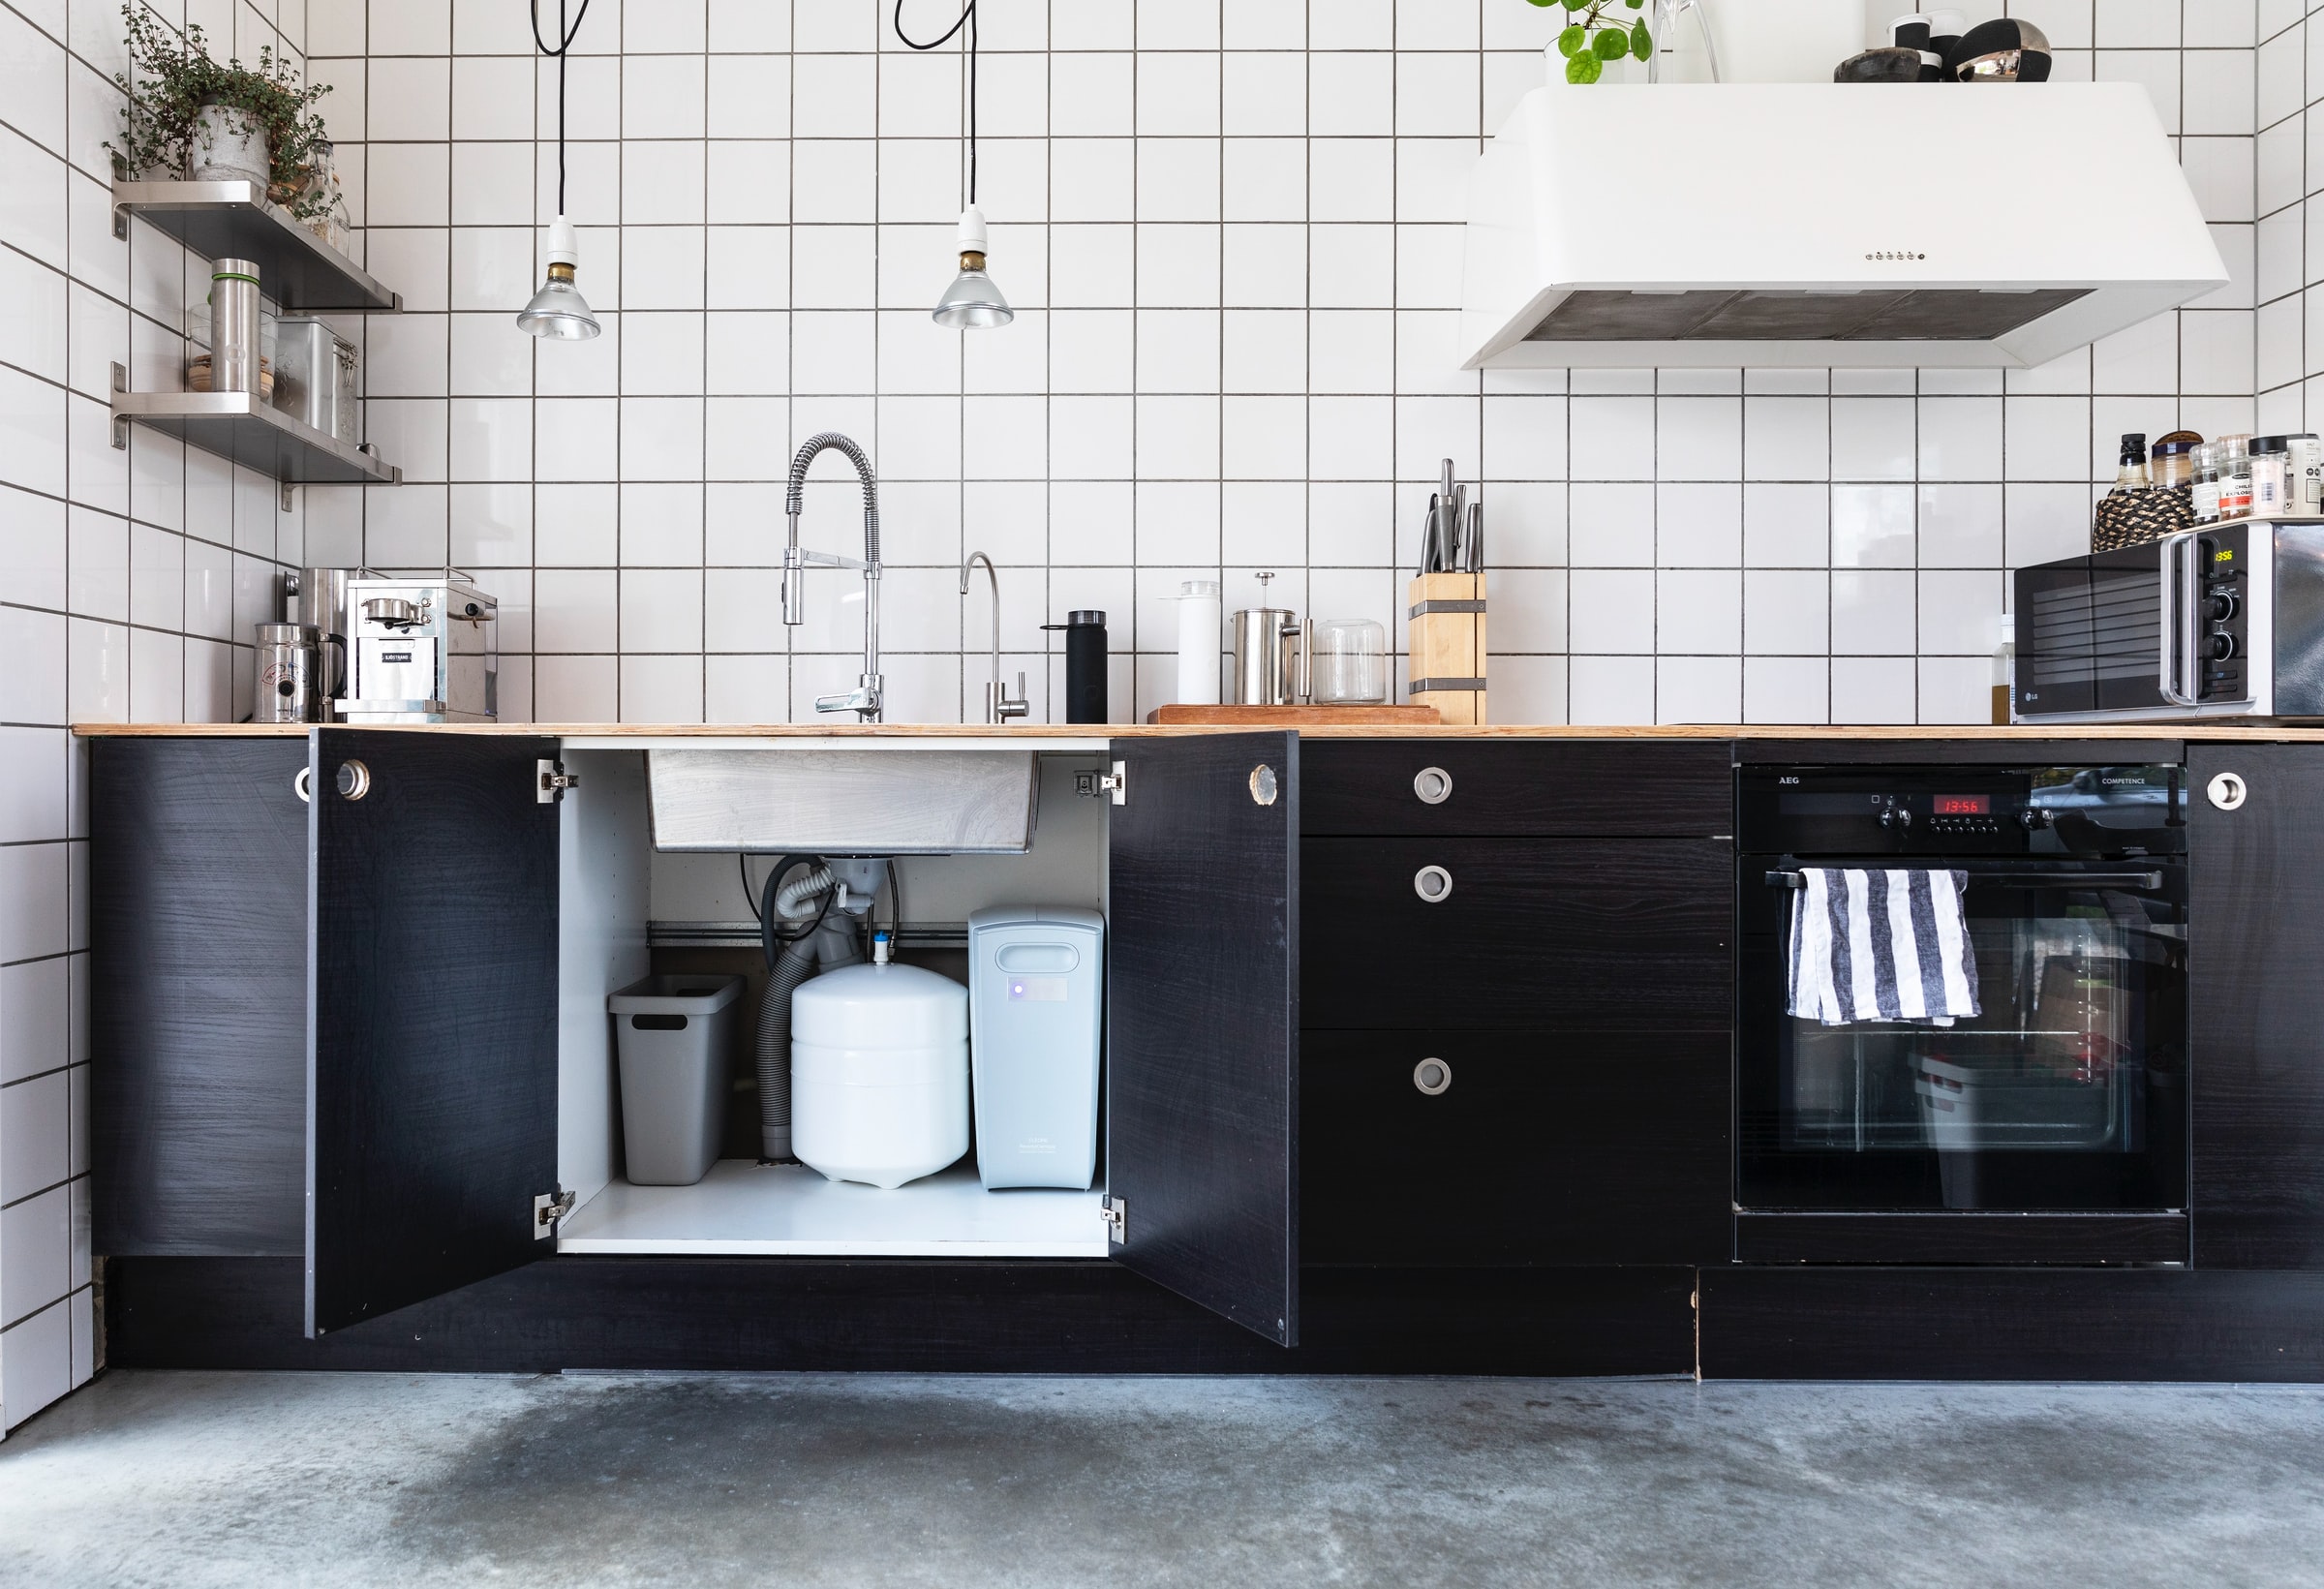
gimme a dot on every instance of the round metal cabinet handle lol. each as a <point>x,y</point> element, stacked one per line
<point>1264,786</point>
<point>1433,885</point>
<point>2228,791</point>
<point>299,784</point>
<point>1434,1077</point>
<point>1434,785</point>
<point>354,780</point>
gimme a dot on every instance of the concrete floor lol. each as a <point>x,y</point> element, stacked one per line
<point>264,1478</point>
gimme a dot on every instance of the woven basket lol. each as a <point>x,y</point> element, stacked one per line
<point>2132,518</point>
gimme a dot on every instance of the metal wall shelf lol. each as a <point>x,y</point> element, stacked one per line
<point>250,431</point>
<point>234,220</point>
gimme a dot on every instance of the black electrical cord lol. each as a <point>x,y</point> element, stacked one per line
<point>565,44</point>
<point>968,19</point>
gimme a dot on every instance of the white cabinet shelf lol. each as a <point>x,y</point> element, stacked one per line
<point>744,1208</point>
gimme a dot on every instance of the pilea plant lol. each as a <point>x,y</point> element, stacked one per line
<point>171,79</point>
<point>1595,38</point>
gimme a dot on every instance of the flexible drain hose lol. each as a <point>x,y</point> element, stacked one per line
<point>807,897</point>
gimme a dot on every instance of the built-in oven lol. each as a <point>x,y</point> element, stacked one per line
<point>2050,1125</point>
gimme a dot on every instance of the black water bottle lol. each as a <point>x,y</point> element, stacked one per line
<point>1084,666</point>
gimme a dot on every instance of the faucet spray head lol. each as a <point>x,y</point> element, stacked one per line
<point>794,578</point>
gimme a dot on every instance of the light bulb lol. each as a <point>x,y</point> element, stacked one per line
<point>557,310</point>
<point>972,302</point>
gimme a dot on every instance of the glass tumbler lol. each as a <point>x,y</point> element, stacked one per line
<point>1347,664</point>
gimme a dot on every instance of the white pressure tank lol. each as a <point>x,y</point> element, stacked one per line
<point>879,1073</point>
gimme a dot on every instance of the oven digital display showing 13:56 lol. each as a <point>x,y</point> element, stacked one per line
<point>1962,805</point>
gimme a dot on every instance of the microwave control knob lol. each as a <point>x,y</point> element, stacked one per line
<point>2222,647</point>
<point>2223,605</point>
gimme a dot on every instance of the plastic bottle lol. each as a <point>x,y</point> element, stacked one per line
<point>2004,670</point>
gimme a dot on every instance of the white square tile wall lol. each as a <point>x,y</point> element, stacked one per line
<point>1232,233</point>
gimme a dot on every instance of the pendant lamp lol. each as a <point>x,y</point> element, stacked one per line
<point>559,312</point>
<point>973,302</point>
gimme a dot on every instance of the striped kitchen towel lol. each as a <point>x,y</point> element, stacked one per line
<point>1881,946</point>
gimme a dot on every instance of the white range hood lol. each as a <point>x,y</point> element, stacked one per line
<point>1825,225</point>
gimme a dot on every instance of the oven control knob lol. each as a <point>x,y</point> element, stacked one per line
<point>2223,605</point>
<point>2034,816</point>
<point>2222,647</point>
<point>1897,818</point>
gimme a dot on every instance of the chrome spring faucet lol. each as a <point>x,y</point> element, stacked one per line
<point>869,696</point>
<point>998,705</point>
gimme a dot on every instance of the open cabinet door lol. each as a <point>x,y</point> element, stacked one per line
<point>432,1015</point>
<point>1202,1022</point>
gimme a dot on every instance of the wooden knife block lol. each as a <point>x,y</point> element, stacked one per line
<point>1446,637</point>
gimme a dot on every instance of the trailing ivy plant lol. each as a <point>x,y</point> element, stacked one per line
<point>171,79</point>
<point>1594,37</point>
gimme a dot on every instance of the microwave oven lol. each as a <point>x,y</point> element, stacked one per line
<point>2227,621</point>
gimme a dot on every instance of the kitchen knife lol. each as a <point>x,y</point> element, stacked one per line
<point>1428,538</point>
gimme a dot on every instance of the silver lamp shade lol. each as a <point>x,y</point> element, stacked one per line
<point>557,310</point>
<point>972,302</point>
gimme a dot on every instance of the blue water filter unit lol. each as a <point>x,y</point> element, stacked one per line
<point>1036,995</point>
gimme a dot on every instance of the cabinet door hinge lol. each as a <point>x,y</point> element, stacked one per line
<point>1117,1212</point>
<point>1094,784</point>
<point>554,782</point>
<point>547,1209</point>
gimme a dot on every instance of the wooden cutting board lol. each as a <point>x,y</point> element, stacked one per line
<point>1294,717</point>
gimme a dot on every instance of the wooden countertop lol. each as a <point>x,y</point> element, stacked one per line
<point>1033,734</point>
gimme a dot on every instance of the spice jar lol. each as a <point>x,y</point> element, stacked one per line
<point>2271,477</point>
<point>2207,483</point>
<point>2234,476</point>
<point>2174,459</point>
<point>2307,469</point>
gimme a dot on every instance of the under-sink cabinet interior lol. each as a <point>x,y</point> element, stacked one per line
<point>630,909</point>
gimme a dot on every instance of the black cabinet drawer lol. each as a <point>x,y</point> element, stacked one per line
<point>1547,1148</point>
<point>1546,789</point>
<point>1553,934</point>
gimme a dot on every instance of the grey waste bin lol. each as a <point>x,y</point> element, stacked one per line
<point>676,1035</point>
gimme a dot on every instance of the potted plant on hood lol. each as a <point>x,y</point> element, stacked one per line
<point>1598,37</point>
<point>187,116</point>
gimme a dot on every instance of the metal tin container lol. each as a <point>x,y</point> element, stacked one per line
<point>290,684</point>
<point>424,651</point>
<point>314,378</point>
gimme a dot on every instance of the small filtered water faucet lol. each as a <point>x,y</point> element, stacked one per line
<point>869,696</point>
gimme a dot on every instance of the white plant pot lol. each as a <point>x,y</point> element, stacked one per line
<point>1763,41</point>
<point>230,145</point>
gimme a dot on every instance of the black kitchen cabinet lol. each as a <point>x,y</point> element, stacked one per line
<point>198,937</point>
<point>338,1038</point>
<point>1611,789</point>
<point>1535,1149</point>
<point>1537,934</point>
<point>2255,964</point>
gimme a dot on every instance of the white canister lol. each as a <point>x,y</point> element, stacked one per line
<point>879,1074</point>
<point>1198,643</point>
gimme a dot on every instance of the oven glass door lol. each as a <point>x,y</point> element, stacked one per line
<point>2067,1092</point>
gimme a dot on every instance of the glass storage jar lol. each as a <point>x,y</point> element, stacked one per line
<point>1347,663</point>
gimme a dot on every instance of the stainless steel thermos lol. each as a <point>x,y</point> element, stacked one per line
<point>236,358</point>
<point>289,665</point>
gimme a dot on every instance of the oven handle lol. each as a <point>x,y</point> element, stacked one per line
<point>2181,617</point>
<point>2149,881</point>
